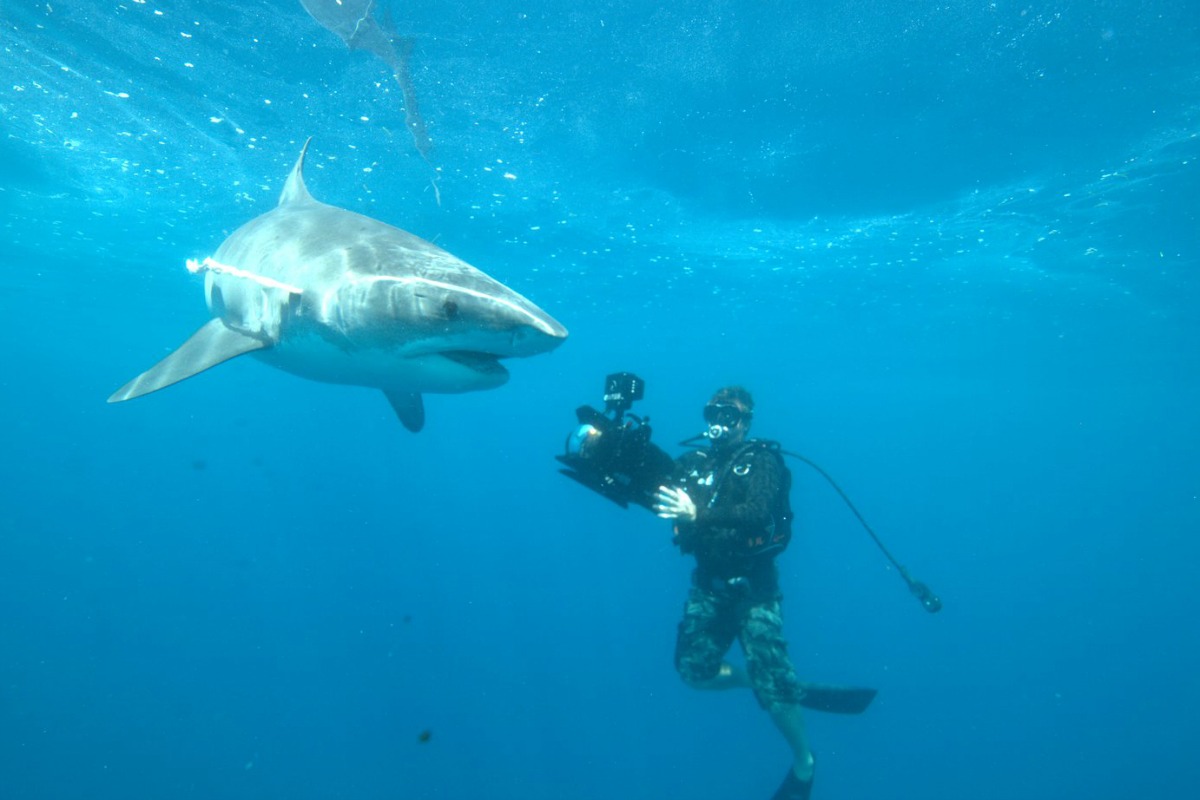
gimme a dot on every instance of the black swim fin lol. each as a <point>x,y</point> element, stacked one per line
<point>837,699</point>
<point>793,788</point>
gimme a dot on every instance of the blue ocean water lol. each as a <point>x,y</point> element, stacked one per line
<point>953,250</point>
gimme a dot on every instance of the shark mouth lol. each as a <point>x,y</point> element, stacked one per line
<point>484,363</point>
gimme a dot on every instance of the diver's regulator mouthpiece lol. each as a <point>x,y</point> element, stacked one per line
<point>721,418</point>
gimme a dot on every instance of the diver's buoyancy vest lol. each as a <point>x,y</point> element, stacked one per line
<point>774,538</point>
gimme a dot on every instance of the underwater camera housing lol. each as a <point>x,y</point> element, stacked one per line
<point>611,453</point>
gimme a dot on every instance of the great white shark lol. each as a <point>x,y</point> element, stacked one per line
<point>335,296</point>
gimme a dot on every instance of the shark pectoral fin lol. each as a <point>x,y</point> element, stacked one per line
<point>207,347</point>
<point>408,408</point>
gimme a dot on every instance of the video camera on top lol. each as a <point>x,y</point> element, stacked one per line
<point>611,453</point>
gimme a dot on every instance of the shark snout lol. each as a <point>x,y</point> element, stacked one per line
<point>505,324</point>
<point>539,336</point>
<point>546,327</point>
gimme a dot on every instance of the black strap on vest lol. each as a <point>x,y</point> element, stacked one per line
<point>781,510</point>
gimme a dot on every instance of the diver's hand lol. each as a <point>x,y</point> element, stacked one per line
<point>674,504</point>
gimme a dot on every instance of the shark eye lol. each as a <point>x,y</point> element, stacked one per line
<point>450,309</point>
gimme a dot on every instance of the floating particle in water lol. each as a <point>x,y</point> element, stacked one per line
<point>424,736</point>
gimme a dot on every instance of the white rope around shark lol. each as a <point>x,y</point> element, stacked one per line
<point>194,267</point>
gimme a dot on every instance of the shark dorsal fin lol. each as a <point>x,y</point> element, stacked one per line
<point>294,191</point>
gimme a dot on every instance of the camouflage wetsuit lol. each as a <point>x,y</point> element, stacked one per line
<point>743,521</point>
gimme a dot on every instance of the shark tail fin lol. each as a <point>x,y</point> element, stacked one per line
<point>409,408</point>
<point>207,347</point>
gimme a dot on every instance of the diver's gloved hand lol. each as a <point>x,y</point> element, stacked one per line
<point>674,504</point>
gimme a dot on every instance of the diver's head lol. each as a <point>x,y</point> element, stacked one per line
<point>728,415</point>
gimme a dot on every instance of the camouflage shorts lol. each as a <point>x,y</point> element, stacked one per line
<point>712,620</point>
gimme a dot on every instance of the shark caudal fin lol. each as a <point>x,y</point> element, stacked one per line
<point>207,347</point>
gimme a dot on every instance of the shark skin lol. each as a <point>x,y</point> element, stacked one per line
<point>338,297</point>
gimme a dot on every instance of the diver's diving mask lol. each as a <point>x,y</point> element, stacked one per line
<point>721,417</point>
<point>725,414</point>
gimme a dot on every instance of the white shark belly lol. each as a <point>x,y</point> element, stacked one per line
<point>316,358</point>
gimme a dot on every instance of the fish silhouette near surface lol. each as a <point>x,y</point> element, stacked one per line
<point>355,23</point>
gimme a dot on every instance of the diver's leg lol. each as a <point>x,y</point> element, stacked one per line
<point>790,722</point>
<point>778,690</point>
<point>705,634</point>
<point>730,676</point>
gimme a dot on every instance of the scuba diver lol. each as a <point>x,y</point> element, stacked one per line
<point>730,506</point>
<point>731,512</point>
